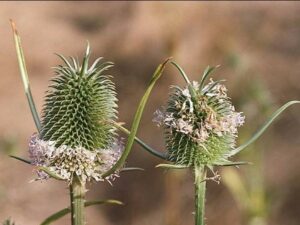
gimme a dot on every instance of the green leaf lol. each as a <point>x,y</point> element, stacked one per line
<point>137,118</point>
<point>21,159</point>
<point>171,166</point>
<point>263,128</point>
<point>65,211</point>
<point>24,75</point>
<point>140,142</point>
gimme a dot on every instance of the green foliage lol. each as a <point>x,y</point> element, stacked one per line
<point>78,104</point>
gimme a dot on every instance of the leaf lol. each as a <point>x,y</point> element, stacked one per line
<point>65,211</point>
<point>137,119</point>
<point>171,166</point>
<point>263,128</point>
<point>21,159</point>
<point>24,75</point>
<point>140,142</point>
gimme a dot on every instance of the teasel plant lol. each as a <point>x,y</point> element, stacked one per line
<point>76,139</point>
<point>200,127</point>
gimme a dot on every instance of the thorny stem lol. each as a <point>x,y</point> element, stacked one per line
<point>77,196</point>
<point>200,187</point>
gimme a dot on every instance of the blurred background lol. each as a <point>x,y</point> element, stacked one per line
<point>257,45</point>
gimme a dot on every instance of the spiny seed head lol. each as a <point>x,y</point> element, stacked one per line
<point>77,137</point>
<point>200,124</point>
<point>77,105</point>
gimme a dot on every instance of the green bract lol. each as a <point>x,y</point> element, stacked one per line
<point>77,105</point>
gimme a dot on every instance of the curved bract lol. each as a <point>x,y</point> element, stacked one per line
<point>79,99</point>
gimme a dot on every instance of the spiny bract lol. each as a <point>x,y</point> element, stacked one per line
<point>200,124</point>
<point>78,105</point>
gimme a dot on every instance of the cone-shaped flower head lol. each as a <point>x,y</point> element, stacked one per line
<point>75,136</point>
<point>200,124</point>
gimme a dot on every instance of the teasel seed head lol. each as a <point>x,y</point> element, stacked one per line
<point>79,99</point>
<point>200,124</point>
<point>75,138</point>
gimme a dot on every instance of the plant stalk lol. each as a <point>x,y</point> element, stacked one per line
<point>77,195</point>
<point>200,188</point>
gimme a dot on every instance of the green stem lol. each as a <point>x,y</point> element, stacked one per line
<point>200,187</point>
<point>77,195</point>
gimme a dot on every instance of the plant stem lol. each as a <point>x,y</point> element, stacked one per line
<point>200,186</point>
<point>77,195</point>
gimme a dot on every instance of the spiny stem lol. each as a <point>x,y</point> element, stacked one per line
<point>200,187</point>
<point>77,195</point>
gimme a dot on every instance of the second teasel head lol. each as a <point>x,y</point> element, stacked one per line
<point>200,123</point>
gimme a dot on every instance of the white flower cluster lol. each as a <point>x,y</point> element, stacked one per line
<point>66,162</point>
<point>199,119</point>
